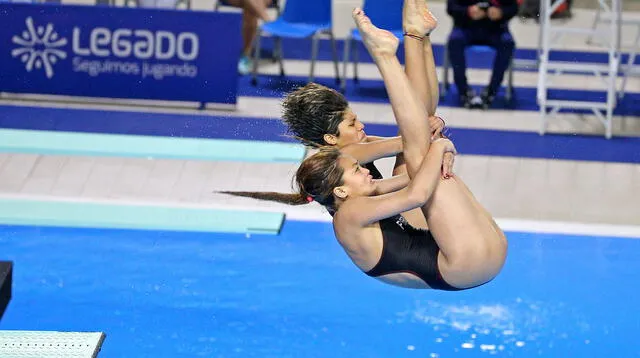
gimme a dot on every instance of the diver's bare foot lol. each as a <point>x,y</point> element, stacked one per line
<point>417,19</point>
<point>377,41</point>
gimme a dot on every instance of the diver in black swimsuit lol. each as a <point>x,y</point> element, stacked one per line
<point>462,248</point>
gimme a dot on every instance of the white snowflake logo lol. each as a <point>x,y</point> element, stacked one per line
<point>39,47</point>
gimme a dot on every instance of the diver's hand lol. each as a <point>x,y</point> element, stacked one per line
<point>437,126</point>
<point>447,165</point>
<point>445,145</point>
<point>449,156</point>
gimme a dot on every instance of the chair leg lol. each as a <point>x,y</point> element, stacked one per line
<point>280,56</point>
<point>256,56</point>
<point>356,55</point>
<point>314,55</point>
<point>334,50</point>
<point>345,62</point>
<point>274,55</point>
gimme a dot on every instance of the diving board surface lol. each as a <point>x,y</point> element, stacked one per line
<point>93,144</point>
<point>119,216</point>
<point>50,344</point>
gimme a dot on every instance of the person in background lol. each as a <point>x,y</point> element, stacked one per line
<point>252,11</point>
<point>480,23</point>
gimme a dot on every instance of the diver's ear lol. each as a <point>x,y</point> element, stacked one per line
<point>330,139</point>
<point>341,192</point>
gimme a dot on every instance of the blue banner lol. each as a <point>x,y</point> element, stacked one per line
<point>119,52</point>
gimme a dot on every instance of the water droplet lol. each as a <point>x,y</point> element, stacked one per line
<point>488,347</point>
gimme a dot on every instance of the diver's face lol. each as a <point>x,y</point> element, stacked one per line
<point>357,181</point>
<point>351,130</point>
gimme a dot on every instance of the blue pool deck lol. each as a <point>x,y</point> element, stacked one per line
<point>185,294</point>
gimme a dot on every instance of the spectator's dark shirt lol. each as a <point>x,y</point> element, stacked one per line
<point>459,10</point>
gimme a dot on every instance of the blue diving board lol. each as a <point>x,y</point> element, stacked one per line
<point>98,144</point>
<point>150,217</point>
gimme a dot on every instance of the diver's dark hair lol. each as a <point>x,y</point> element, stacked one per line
<point>312,111</point>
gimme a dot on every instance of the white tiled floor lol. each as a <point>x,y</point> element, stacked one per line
<point>511,188</point>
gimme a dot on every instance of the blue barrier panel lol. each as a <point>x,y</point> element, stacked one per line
<point>119,52</point>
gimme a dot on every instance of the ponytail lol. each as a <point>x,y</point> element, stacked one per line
<point>285,198</point>
<point>315,179</point>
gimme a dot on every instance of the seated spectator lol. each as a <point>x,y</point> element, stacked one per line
<point>252,10</point>
<point>480,23</point>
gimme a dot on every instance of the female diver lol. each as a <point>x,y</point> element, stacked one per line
<point>462,248</point>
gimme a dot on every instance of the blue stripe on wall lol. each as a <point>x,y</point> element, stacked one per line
<point>300,49</point>
<point>138,123</point>
<point>373,91</point>
<point>533,145</point>
<point>468,141</point>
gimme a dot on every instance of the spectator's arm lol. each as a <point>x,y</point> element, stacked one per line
<point>457,11</point>
<point>509,9</point>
